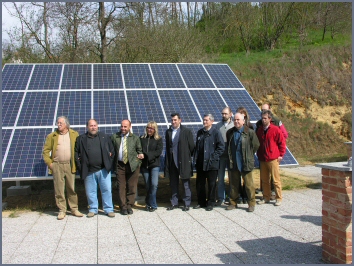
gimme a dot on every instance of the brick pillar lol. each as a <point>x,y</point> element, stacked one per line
<point>336,213</point>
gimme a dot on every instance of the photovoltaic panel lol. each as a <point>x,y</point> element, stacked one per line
<point>137,76</point>
<point>45,77</point>
<point>76,77</point>
<point>109,107</point>
<point>25,155</point>
<point>38,109</point>
<point>76,105</point>
<point>6,134</point>
<point>208,102</point>
<point>107,76</point>
<point>237,98</point>
<point>223,77</point>
<point>109,93</point>
<point>144,106</point>
<point>167,76</point>
<point>11,103</point>
<point>195,76</point>
<point>179,101</point>
<point>15,77</point>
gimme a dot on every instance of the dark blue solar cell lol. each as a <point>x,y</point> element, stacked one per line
<point>167,76</point>
<point>179,101</point>
<point>195,76</point>
<point>24,160</point>
<point>76,105</point>
<point>45,77</point>
<point>137,76</point>
<point>140,130</point>
<point>11,102</point>
<point>6,134</point>
<point>38,109</point>
<point>223,76</point>
<point>81,130</point>
<point>107,76</point>
<point>109,107</point>
<point>237,98</point>
<point>208,102</point>
<point>15,77</point>
<point>145,106</point>
<point>76,77</point>
<point>289,158</point>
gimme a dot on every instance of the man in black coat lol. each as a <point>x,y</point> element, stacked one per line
<point>178,160</point>
<point>209,147</point>
<point>94,153</point>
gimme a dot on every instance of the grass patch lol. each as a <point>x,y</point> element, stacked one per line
<point>14,214</point>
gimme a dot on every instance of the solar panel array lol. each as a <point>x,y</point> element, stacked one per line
<point>33,95</point>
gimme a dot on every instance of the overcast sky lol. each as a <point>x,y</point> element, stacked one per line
<point>7,21</point>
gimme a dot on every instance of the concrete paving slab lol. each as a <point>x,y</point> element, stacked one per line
<point>290,233</point>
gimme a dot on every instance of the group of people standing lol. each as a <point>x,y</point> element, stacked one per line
<point>217,147</point>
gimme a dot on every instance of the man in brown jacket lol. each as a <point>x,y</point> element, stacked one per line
<point>58,154</point>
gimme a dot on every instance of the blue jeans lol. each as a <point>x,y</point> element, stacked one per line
<point>103,178</point>
<point>224,162</point>
<point>151,177</point>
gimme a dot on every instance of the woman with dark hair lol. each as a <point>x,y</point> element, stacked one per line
<point>152,146</point>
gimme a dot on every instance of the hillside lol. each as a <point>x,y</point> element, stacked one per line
<point>310,90</point>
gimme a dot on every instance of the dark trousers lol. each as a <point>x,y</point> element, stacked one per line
<point>127,184</point>
<point>174,183</point>
<point>202,177</point>
<point>242,189</point>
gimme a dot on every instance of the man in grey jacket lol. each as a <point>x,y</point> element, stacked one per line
<point>223,126</point>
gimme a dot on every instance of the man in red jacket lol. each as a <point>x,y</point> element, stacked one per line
<point>270,153</point>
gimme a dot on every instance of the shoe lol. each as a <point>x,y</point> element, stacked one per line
<point>231,207</point>
<point>198,206</point>
<point>272,197</point>
<point>172,207</point>
<point>227,201</point>
<point>147,208</point>
<point>152,209</point>
<point>61,215</point>
<point>111,214</point>
<point>218,203</point>
<point>244,201</point>
<point>277,203</point>
<point>77,213</point>
<point>185,208</point>
<point>258,190</point>
<point>262,201</point>
<point>90,215</point>
<point>124,212</point>
<point>130,211</point>
<point>239,201</point>
<point>209,208</point>
<point>250,209</point>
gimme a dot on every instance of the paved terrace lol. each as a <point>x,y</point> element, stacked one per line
<point>288,234</point>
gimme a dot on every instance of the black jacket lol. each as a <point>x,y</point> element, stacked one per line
<point>185,151</point>
<point>213,148</point>
<point>81,158</point>
<point>152,150</point>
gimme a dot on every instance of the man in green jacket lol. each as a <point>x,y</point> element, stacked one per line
<point>58,154</point>
<point>242,143</point>
<point>127,161</point>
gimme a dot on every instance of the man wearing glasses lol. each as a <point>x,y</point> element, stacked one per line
<point>58,154</point>
<point>224,126</point>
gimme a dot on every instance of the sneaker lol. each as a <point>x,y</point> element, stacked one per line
<point>231,207</point>
<point>277,203</point>
<point>272,197</point>
<point>90,215</point>
<point>250,209</point>
<point>111,214</point>
<point>130,211</point>
<point>262,201</point>
<point>61,215</point>
<point>77,213</point>
<point>209,208</point>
